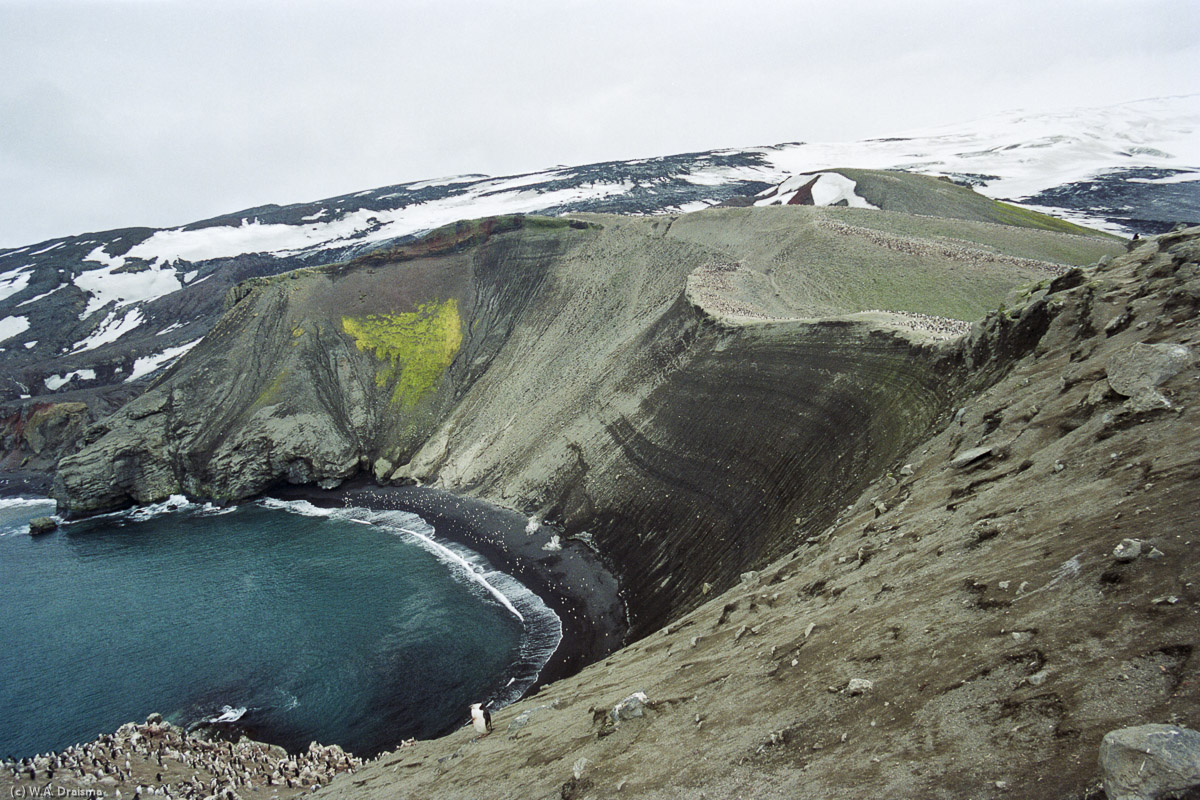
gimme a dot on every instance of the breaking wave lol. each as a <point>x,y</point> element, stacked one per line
<point>16,512</point>
<point>542,627</point>
<point>227,714</point>
<point>24,502</point>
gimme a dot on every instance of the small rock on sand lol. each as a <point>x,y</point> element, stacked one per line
<point>1127,550</point>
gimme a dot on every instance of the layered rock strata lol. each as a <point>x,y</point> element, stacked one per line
<point>593,374</point>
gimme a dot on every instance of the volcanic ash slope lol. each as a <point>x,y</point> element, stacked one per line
<point>970,626</point>
<point>691,391</point>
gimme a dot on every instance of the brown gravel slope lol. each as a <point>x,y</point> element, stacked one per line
<point>980,597</point>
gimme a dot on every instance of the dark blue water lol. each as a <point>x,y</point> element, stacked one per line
<point>302,624</point>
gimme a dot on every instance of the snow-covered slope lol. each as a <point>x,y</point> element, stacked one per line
<point>106,308</point>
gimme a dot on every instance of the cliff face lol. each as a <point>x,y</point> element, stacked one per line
<point>698,393</point>
<point>970,626</point>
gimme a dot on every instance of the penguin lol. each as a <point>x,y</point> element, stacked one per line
<point>481,719</point>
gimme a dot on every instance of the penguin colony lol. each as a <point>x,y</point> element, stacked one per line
<point>157,759</point>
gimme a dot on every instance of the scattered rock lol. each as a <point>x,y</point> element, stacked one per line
<point>859,686</point>
<point>1147,401</point>
<point>985,529</point>
<point>907,469</point>
<point>41,525</point>
<point>629,708</point>
<point>382,468</point>
<point>968,457</point>
<point>1118,323</point>
<point>1038,678</point>
<point>1165,600</point>
<point>523,718</point>
<point>1150,761</point>
<point>1127,550</point>
<point>1135,372</point>
<point>1099,392</point>
<point>554,544</point>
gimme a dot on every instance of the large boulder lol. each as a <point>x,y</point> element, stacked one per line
<point>1135,372</point>
<point>1150,762</point>
<point>41,525</point>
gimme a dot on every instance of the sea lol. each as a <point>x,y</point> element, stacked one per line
<point>291,622</point>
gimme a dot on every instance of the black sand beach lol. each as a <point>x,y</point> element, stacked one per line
<point>573,581</point>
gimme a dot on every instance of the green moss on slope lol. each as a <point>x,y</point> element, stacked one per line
<point>1015,215</point>
<point>416,347</point>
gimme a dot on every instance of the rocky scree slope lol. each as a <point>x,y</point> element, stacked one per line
<point>970,626</point>
<point>693,392</point>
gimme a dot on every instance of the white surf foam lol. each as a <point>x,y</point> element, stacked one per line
<point>175,502</point>
<point>172,504</point>
<point>542,627</point>
<point>15,513</point>
<point>228,714</point>
<point>25,502</point>
<point>461,564</point>
<point>210,510</point>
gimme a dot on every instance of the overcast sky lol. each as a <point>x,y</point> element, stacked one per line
<point>152,112</point>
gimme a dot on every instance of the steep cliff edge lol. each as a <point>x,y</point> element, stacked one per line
<point>971,626</point>
<point>697,393</point>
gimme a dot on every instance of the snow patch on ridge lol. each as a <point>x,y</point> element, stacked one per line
<point>40,296</point>
<point>114,327</point>
<point>11,326</point>
<point>56,382</point>
<point>1181,177</point>
<point>106,285</point>
<point>828,188</point>
<point>13,282</point>
<point>147,364</point>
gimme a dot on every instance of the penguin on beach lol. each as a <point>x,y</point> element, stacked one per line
<point>481,719</point>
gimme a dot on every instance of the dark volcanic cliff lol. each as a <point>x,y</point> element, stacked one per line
<point>971,626</point>
<point>697,393</point>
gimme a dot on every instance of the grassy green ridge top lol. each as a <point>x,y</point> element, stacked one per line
<point>930,196</point>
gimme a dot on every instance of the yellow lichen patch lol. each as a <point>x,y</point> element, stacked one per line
<point>417,347</point>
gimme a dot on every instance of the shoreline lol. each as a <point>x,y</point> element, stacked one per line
<point>573,581</point>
